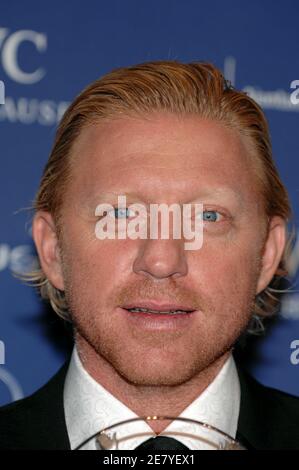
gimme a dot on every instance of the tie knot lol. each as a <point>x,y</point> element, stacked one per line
<point>161,443</point>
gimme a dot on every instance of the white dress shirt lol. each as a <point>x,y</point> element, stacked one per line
<point>89,408</point>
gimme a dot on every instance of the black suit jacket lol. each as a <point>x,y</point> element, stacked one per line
<point>268,420</point>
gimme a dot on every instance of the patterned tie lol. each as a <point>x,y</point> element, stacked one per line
<point>161,443</point>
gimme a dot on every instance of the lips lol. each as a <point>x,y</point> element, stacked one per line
<point>157,312</point>
<point>155,307</point>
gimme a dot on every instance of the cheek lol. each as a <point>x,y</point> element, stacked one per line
<point>95,267</point>
<point>226,273</point>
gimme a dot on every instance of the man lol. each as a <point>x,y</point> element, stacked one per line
<point>154,323</point>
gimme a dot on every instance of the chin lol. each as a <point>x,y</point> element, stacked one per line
<point>161,375</point>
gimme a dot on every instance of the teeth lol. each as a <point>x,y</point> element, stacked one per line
<point>146,310</point>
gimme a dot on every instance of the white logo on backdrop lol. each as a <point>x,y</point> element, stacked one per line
<point>23,109</point>
<point>280,100</point>
<point>2,92</point>
<point>9,381</point>
<point>10,45</point>
<point>20,258</point>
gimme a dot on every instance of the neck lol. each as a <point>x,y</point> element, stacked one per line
<point>142,399</point>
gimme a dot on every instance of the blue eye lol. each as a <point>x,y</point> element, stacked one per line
<point>210,216</point>
<point>121,213</point>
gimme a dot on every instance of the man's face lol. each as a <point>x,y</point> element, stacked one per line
<point>162,159</point>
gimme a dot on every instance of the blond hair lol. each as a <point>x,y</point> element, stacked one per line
<point>195,88</point>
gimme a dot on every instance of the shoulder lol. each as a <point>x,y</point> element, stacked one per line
<point>269,418</point>
<point>275,399</point>
<point>36,422</point>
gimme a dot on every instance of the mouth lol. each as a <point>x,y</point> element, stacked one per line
<point>158,312</point>
<point>154,316</point>
<point>170,319</point>
<point>158,308</point>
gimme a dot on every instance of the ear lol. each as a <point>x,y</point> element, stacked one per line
<point>272,253</point>
<point>46,242</point>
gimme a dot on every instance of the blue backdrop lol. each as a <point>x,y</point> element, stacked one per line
<point>49,51</point>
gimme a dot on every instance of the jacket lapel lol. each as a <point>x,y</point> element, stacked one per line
<point>49,431</point>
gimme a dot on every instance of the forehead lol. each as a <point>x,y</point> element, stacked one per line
<point>160,155</point>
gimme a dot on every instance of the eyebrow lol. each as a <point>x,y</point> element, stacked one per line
<point>221,192</point>
<point>106,196</point>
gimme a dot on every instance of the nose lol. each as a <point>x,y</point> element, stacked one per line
<point>160,258</point>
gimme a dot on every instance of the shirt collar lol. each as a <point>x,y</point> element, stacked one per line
<point>89,407</point>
